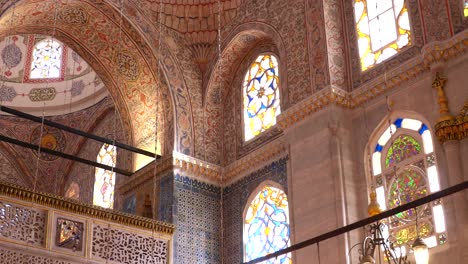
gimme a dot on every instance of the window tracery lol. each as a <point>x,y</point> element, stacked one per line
<point>46,60</point>
<point>407,172</point>
<point>261,96</point>
<point>383,29</point>
<point>104,179</point>
<point>266,225</point>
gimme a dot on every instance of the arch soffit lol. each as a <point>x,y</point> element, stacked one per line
<point>93,35</point>
<point>239,44</point>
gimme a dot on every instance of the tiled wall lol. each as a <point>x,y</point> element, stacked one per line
<point>196,214</point>
<point>235,199</point>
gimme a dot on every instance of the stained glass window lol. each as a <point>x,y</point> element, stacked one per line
<point>266,226</point>
<point>465,9</point>
<point>402,148</point>
<point>261,96</point>
<point>408,171</point>
<point>46,59</point>
<point>383,29</point>
<point>105,180</point>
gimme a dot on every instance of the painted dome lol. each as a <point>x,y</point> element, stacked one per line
<point>39,72</point>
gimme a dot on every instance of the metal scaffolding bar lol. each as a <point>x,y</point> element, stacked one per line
<point>76,131</point>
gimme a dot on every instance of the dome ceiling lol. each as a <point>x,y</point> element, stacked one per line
<point>35,77</point>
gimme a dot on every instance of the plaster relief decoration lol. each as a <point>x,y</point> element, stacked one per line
<point>69,234</point>
<point>22,224</point>
<point>118,246</point>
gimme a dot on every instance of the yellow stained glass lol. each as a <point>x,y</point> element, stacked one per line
<point>465,10</point>
<point>383,29</point>
<point>266,226</point>
<point>261,96</point>
<point>105,180</point>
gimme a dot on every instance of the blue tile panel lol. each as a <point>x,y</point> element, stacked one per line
<point>166,198</point>
<point>197,218</point>
<point>235,200</point>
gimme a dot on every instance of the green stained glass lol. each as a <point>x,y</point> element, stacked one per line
<point>402,148</point>
<point>408,234</point>
<point>408,186</point>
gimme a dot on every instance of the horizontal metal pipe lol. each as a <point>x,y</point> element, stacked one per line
<point>76,131</point>
<point>427,199</point>
<point>64,155</point>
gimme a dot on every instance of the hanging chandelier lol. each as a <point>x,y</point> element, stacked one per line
<point>377,238</point>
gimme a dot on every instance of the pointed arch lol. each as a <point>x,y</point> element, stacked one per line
<point>266,223</point>
<point>403,167</point>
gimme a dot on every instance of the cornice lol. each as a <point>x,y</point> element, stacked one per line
<point>254,160</point>
<point>146,174</point>
<point>433,53</point>
<point>68,205</point>
<point>197,168</point>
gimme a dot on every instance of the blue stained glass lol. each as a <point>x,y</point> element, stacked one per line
<point>422,129</point>
<point>398,122</point>
<point>266,226</point>
<point>261,96</point>
<point>378,148</point>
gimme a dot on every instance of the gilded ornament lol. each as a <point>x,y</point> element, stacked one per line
<point>439,84</point>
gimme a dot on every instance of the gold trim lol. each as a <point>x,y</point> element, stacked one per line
<point>439,84</point>
<point>455,128</point>
<point>52,201</point>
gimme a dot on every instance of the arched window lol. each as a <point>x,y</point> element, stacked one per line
<point>266,225</point>
<point>404,169</point>
<point>465,8</point>
<point>261,96</point>
<point>46,60</point>
<point>105,180</point>
<point>383,29</point>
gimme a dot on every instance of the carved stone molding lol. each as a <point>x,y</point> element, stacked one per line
<point>52,201</point>
<point>145,174</point>
<point>197,168</point>
<point>254,160</point>
<point>434,53</point>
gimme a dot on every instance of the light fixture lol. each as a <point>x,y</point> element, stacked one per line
<point>421,252</point>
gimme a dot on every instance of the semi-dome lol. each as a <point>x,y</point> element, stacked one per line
<point>40,73</point>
